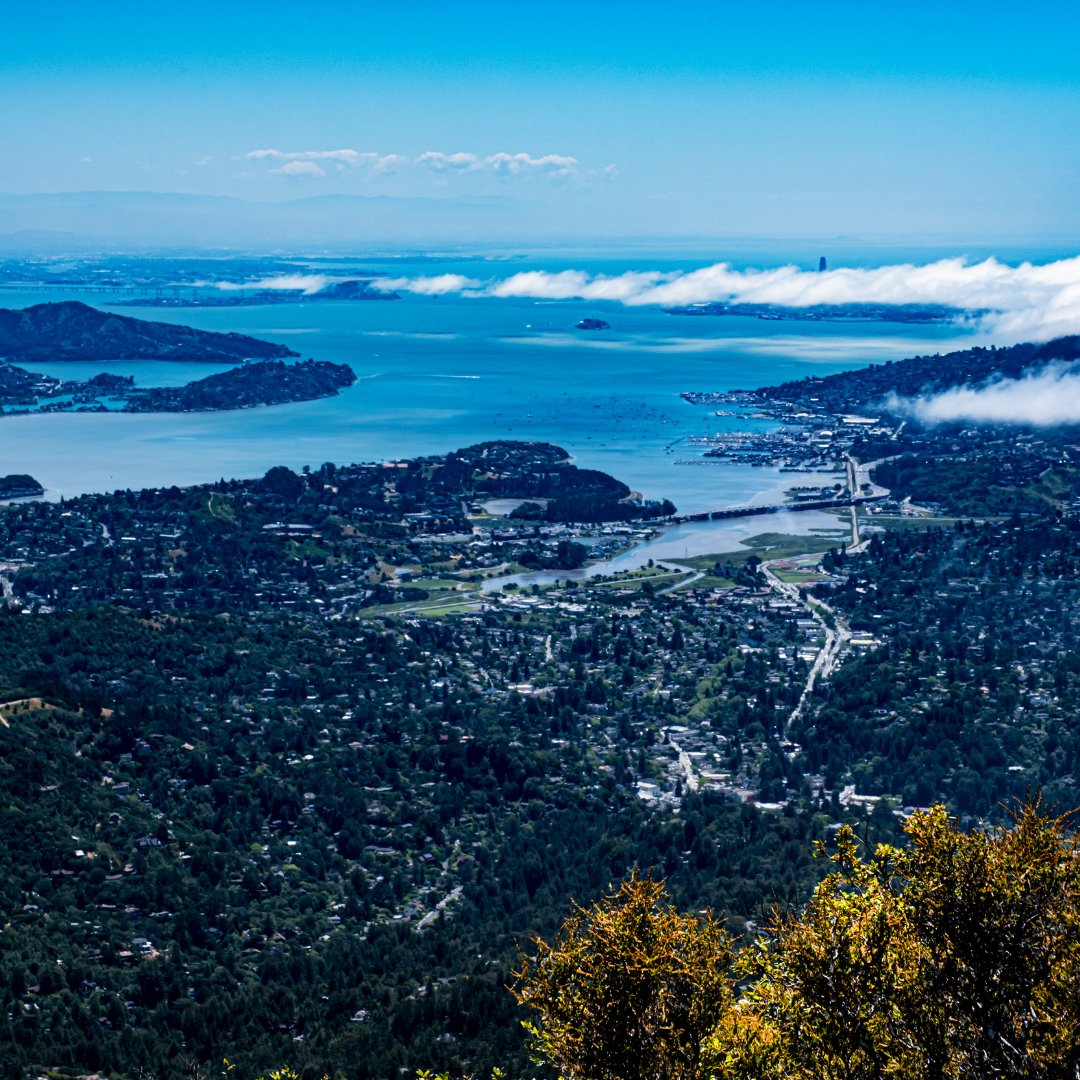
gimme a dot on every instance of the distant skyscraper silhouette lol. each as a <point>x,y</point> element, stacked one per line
<point>821,266</point>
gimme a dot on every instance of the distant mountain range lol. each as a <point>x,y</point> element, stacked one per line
<point>123,220</point>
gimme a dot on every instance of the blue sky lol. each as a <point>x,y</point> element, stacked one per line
<point>923,121</point>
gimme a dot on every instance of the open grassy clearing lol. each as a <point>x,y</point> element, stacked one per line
<point>797,577</point>
<point>713,581</point>
<point>766,546</point>
<point>220,506</point>
<point>434,583</point>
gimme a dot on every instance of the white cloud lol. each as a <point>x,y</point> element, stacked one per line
<point>436,159</point>
<point>312,162</point>
<point>347,157</point>
<point>1025,301</point>
<point>501,163</point>
<point>305,283</point>
<point>1046,398</point>
<point>627,288</point>
<point>301,168</point>
<point>553,164</point>
<point>309,284</point>
<point>460,161</point>
<point>387,162</point>
<point>439,285</point>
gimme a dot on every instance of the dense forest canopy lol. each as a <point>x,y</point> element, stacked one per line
<point>71,330</point>
<point>259,806</point>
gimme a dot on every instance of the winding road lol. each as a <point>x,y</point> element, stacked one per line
<point>836,636</point>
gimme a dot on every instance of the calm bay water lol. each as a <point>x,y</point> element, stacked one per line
<point>437,374</point>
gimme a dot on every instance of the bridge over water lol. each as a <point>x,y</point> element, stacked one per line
<point>777,508</point>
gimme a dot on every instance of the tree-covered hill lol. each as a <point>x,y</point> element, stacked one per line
<point>264,382</point>
<point>256,809</point>
<point>71,330</point>
<point>225,837</point>
<point>870,387</point>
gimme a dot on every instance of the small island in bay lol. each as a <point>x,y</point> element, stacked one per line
<point>262,382</point>
<point>74,331</point>
<point>19,486</point>
<point>592,324</point>
<point>265,382</point>
<point>71,330</point>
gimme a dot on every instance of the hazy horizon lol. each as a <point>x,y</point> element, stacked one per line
<point>155,221</point>
<point>939,124</point>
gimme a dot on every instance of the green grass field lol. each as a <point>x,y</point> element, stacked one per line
<point>767,546</point>
<point>796,577</point>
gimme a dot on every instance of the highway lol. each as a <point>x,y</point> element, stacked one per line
<point>836,636</point>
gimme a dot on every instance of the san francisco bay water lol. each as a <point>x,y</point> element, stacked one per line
<point>435,374</point>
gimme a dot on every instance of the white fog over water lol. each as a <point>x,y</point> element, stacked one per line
<point>436,372</point>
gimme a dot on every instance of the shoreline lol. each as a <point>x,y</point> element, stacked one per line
<point>691,539</point>
<point>626,429</point>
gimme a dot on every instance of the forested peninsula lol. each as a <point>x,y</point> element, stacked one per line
<point>1018,459</point>
<point>264,382</point>
<point>267,382</point>
<point>74,331</point>
<point>19,486</point>
<point>71,330</point>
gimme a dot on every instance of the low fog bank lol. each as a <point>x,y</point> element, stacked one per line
<point>1049,397</point>
<point>1029,302</point>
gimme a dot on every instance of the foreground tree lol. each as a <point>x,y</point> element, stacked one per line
<point>957,956</point>
<point>629,989</point>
